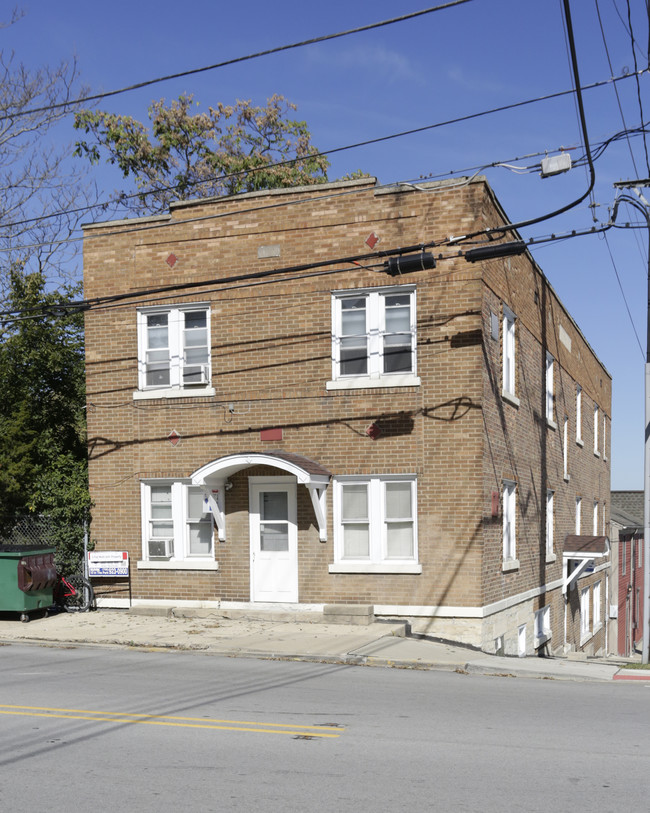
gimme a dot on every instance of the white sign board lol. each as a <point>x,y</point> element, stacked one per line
<point>108,563</point>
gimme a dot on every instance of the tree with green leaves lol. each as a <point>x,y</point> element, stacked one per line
<point>43,468</point>
<point>192,154</point>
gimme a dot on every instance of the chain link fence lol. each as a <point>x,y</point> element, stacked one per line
<point>45,532</point>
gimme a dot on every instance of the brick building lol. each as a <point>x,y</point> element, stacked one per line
<point>278,415</point>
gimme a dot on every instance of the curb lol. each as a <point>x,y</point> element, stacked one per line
<point>632,674</point>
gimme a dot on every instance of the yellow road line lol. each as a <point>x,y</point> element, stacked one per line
<point>322,732</point>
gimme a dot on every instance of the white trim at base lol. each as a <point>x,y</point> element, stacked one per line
<point>176,564</point>
<point>433,611</point>
<point>113,603</point>
<point>375,567</point>
<point>217,604</point>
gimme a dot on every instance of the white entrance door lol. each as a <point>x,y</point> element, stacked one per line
<point>274,540</point>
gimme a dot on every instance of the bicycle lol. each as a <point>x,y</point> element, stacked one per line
<point>74,594</point>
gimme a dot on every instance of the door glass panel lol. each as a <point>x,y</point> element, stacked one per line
<point>274,528</point>
<point>274,505</point>
<point>274,537</point>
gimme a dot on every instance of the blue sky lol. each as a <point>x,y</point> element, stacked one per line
<point>459,61</point>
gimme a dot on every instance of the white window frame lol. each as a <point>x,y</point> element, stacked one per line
<point>604,437</point>
<point>521,641</point>
<point>579,439</point>
<point>550,391</point>
<point>578,515</point>
<point>565,449</point>
<point>377,560</point>
<point>542,626</point>
<point>509,499</point>
<point>179,556</point>
<point>595,525</point>
<point>550,525</point>
<point>585,604</point>
<point>509,370</point>
<point>598,618</point>
<point>178,387</point>
<point>375,332</point>
<point>596,421</point>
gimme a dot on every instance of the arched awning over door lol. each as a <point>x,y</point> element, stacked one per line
<point>211,478</point>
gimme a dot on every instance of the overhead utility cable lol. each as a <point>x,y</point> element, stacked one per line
<point>368,142</point>
<point>583,122</point>
<point>235,60</point>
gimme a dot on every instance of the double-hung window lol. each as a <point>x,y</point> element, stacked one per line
<point>509,523</point>
<point>598,621</point>
<point>579,415</point>
<point>585,625</point>
<point>549,524</point>
<point>596,420</point>
<point>177,530</point>
<point>375,524</point>
<point>374,338</point>
<point>509,369</point>
<point>550,389</point>
<point>174,349</point>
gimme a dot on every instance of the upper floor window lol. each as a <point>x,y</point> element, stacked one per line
<point>375,524</point>
<point>174,348</point>
<point>578,515</point>
<point>509,368</point>
<point>578,414</point>
<point>550,390</point>
<point>175,525</point>
<point>373,338</point>
<point>596,420</point>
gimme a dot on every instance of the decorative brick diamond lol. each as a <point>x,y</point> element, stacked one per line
<point>173,437</point>
<point>171,260</point>
<point>372,240</point>
<point>373,431</point>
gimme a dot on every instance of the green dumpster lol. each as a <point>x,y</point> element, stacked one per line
<point>27,579</point>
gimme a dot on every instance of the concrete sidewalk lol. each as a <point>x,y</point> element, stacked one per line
<point>287,636</point>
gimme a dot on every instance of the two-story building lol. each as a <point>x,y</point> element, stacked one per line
<point>282,412</point>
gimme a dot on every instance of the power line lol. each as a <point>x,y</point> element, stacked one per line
<point>627,307</point>
<point>234,61</point>
<point>401,134</point>
<point>585,136</point>
<point>638,86</point>
<point>618,98</point>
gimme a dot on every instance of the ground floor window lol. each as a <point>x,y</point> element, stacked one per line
<point>174,524</point>
<point>585,628</point>
<point>375,521</point>
<point>598,619</point>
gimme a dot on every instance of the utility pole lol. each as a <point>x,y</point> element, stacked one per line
<point>641,205</point>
